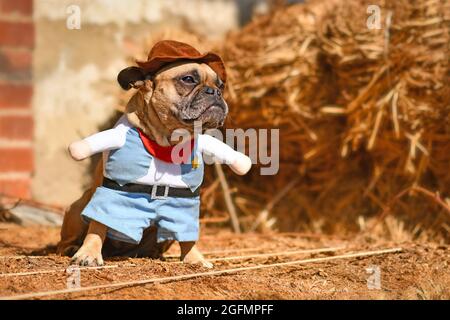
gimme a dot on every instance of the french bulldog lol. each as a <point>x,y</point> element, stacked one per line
<point>177,96</point>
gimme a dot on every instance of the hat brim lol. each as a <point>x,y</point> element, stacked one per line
<point>211,59</point>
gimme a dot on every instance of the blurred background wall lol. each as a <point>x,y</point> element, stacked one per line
<point>17,39</point>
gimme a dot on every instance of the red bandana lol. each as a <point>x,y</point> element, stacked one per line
<point>164,153</point>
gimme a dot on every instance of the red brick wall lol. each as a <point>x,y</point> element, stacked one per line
<point>16,90</point>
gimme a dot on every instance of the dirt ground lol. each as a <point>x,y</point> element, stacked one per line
<point>419,271</point>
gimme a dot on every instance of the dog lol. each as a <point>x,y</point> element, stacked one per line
<point>126,215</point>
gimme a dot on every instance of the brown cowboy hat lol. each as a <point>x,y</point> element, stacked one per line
<point>166,51</point>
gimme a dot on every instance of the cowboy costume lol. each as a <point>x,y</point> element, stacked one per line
<point>142,185</point>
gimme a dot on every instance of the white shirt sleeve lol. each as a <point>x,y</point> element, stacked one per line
<point>216,148</point>
<point>109,139</point>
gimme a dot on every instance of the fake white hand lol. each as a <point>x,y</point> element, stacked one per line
<point>80,150</point>
<point>241,164</point>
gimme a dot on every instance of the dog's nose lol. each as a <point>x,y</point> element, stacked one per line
<point>211,90</point>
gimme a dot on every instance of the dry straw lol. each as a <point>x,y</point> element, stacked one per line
<point>364,114</point>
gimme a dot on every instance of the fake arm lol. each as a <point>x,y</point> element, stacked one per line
<point>99,142</point>
<point>237,161</point>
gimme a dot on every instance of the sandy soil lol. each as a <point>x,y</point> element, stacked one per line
<point>420,271</point>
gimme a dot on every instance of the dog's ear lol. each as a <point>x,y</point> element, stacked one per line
<point>131,77</point>
<point>141,98</point>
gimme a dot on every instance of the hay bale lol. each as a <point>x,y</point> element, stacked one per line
<point>363,114</point>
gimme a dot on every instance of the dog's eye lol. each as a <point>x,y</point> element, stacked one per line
<point>188,79</point>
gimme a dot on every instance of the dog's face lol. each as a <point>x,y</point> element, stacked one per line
<point>184,93</point>
<point>190,92</point>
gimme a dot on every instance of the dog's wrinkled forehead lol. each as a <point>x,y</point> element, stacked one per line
<point>200,71</point>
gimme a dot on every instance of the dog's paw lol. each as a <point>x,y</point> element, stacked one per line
<point>88,257</point>
<point>206,264</point>
<point>201,262</point>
